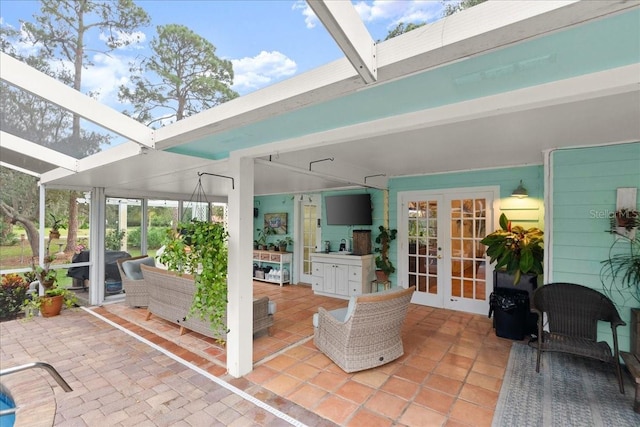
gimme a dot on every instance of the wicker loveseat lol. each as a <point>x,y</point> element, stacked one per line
<point>367,333</point>
<point>572,312</point>
<point>135,288</point>
<point>171,296</point>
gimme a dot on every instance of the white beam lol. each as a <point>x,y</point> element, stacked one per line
<point>25,77</point>
<point>343,23</point>
<point>19,169</point>
<point>30,149</point>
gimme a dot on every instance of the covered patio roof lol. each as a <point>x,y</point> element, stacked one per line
<point>492,86</point>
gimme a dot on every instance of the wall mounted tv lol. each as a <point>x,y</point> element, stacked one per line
<point>348,209</point>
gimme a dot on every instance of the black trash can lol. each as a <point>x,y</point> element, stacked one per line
<point>510,309</point>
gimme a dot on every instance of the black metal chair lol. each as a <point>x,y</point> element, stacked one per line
<point>572,313</point>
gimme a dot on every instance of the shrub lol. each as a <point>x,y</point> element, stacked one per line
<point>13,291</point>
<point>113,239</point>
<point>155,237</point>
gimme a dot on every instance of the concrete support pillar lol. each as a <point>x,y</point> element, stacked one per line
<point>240,270</point>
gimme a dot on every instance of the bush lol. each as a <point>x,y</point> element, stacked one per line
<point>7,237</point>
<point>155,236</point>
<point>113,239</point>
<point>13,291</point>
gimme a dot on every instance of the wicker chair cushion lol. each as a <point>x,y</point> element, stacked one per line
<point>271,307</point>
<point>340,314</point>
<point>132,267</point>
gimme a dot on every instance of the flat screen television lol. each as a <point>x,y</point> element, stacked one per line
<point>349,209</point>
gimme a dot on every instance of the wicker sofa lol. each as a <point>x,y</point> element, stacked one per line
<point>367,333</point>
<point>171,296</point>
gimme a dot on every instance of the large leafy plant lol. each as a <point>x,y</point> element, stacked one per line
<point>516,250</point>
<point>621,270</point>
<point>200,248</point>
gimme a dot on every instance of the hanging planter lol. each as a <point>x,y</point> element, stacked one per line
<point>199,248</point>
<point>627,218</point>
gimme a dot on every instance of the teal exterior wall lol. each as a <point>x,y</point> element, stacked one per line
<point>527,212</point>
<point>335,233</point>
<point>584,183</point>
<point>282,203</point>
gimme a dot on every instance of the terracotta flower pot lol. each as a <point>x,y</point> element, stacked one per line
<point>51,306</point>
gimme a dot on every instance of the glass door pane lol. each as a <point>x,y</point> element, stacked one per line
<point>468,224</point>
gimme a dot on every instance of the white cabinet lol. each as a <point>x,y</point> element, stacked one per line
<point>280,263</point>
<point>342,276</point>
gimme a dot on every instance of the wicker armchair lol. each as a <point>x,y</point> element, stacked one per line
<point>134,285</point>
<point>367,334</point>
<point>573,312</point>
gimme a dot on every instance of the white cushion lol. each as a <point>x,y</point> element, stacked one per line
<point>340,314</point>
<point>132,267</point>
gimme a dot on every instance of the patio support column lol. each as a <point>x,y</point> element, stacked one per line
<point>96,243</point>
<point>240,273</point>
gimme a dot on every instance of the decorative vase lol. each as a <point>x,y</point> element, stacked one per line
<point>51,306</point>
<point>54,235</point>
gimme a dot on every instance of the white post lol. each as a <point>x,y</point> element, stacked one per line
<point>96,245</point>
<point>240,274</point>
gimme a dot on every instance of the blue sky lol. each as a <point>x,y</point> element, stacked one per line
<point>267,41</point>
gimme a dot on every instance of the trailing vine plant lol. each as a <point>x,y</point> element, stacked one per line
<point>200,248</point>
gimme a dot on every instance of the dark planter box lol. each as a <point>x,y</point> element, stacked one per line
<point>634,331</point>
<point>529,283</point>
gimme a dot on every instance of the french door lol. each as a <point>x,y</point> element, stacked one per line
<point>308,233</point>
<point>439,249</point>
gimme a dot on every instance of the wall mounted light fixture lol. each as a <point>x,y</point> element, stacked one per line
<point>520,192</point>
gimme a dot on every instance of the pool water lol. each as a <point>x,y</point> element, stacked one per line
<point>6,403</point>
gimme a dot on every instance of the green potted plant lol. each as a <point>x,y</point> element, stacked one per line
<point>56,226</point>
<point>51,303</point>
<point>284,242</point>
<point>43,273</point>
<point>516,250</point>
<point>200,249</point>
<point>384,266</point>
<point>263,234</point>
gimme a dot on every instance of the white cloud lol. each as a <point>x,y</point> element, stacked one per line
<point>310,18</point>
<point>397,11</point>
<point>379,11</point>
<point>251,73</point>
<point>134,40</point>
<point>106,76</point>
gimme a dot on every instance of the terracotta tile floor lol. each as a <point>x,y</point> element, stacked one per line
<point>450,374</point>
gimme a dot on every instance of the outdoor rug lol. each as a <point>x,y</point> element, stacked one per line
<point>568,391</point>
